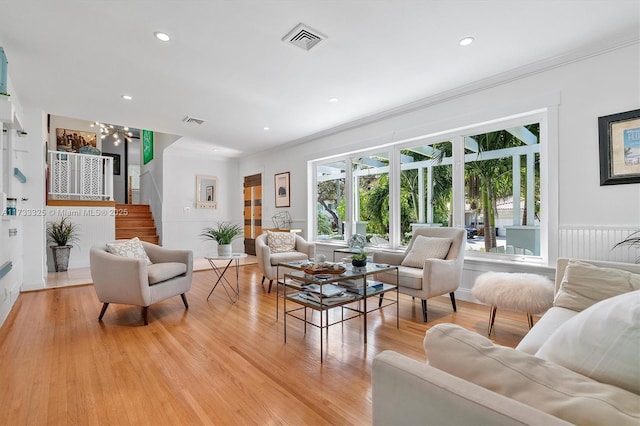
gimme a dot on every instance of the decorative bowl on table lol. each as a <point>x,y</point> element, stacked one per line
<point>323,268</point>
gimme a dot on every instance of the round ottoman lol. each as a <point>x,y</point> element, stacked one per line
<point>519,292</point>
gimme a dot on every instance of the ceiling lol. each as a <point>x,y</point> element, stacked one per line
<point>227,64</point>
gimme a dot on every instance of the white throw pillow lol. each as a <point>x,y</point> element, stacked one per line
<point>532,381</point>
<point>426,248</point>
<point>602,342</point>
<point>584,284</point>
<point>131,248</point>
<point>280,242</point>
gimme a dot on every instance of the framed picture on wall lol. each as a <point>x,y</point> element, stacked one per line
<point>73,140</point>
<point>116,162</point>
<point>282,190</point>
<point>619,136</point>
<point>147,146</point>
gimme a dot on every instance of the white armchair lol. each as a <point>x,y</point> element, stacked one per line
<point>425,277</point>
<point>131,281</point>
<point>268,260</point>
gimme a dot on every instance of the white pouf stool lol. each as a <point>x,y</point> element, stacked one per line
<point>519,292</point>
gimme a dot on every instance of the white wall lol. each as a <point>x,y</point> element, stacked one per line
<point>181,221</point>
<point>292,160</point>
<point>582,91</point>
<point>34,238</point>
<point>151,179</point>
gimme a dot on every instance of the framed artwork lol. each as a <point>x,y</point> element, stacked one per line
<point>73,140</point>
<point>116,162</point>
<point>282,190</point>
<point>147,146</point>
<point>620,148</point>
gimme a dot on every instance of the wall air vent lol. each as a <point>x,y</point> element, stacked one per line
<point>304,37</point>
<point>193,120</point>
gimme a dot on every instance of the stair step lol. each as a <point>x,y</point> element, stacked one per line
<point>135,220</point>
<point>133,207</point>
<point>134,232</point>
<point>153,239</point>
<point>134,223</point>
<point>134,215</point>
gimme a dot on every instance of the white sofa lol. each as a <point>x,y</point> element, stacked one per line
<point>407,391</point>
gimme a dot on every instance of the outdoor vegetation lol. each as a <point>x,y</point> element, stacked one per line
<point>426,186</point>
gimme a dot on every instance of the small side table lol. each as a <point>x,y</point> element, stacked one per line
<point>219,271</point>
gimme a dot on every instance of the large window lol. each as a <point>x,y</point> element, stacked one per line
<point>426,188</point>
<point>371,202</point>
<point>485,178</point>
<point>502,176</point>
<point>331,200</point>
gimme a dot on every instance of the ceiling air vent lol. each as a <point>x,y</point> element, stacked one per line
<point>304,37</point>
<point>193,120</point>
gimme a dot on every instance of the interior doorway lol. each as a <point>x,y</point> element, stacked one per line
<point>133,171</point>
<point>252,211</point>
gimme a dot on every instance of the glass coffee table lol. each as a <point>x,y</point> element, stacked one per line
<point>348,291</point>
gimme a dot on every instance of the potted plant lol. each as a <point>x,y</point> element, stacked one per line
<point>359,259</point>
<point>223,233</point>
<point>60,234</point>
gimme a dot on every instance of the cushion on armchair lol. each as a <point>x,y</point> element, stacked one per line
<point>280,242</point>
<point>159,272</point>
<point>530,380</point>
<point>131,248</point>
<point>426,248</point>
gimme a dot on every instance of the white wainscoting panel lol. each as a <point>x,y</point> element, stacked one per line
<point>596,243</point>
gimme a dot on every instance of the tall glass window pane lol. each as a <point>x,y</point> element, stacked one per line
<point>331,203</point>
<point>371,198</point>
<point>502,177</point>
<point>426,188</point>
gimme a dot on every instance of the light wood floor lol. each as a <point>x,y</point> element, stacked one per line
<point>215,363</point>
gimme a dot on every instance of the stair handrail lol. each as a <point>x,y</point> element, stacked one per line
<point>75,176</point>
<point>155,200</point>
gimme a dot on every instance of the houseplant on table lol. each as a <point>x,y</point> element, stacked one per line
<point>359,260</point>
<point>60,235</point>
<point>223,233</point>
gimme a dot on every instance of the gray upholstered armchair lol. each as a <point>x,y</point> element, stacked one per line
<point>268,259</point>
<point>427,268</point>
<point>132,281</point>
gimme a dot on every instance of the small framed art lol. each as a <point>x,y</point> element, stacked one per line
<point>619,136</point>
<point>282,186</point>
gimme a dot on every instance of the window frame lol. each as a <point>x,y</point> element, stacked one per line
<point>548,121</point>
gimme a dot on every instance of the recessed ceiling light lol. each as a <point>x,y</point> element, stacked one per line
<point>333,99</point>
<point>162,36</point>
<point>466,41</point>
<point>265,128</point>
<point>127,97</point>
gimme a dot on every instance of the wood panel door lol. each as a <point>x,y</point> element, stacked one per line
<point>252,211</point>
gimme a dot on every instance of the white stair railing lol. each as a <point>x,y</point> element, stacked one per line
<point>75,176</point>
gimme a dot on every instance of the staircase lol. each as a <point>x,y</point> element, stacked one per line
<point>138,222</point>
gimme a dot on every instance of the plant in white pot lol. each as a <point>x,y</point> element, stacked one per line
<point>223,233</point>
<point>60,235</point>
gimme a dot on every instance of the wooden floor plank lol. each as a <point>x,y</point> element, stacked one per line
<point>215,363</point>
